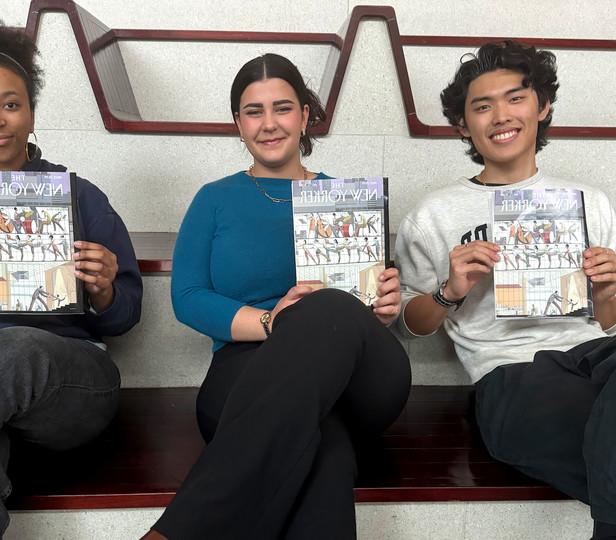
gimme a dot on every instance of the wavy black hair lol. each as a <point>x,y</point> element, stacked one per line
<point>538,68</point>
<point>274,66</point>
<point>19,54</point>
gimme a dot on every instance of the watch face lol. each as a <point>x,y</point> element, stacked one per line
<point>440,299</point>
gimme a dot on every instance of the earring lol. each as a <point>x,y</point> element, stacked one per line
<point>242,139</point>
<point>304,132</point>
<point>28,158</point>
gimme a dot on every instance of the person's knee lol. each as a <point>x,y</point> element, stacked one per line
<point>328,304</point>
<point>69,417</point>
<point>22,337</point>
<point>333,297</point>
<point>24,353</point>
<point>326,311</point>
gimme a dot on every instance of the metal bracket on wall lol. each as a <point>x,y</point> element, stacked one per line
<point>99,47</point>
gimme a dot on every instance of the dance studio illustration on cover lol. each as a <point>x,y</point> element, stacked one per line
<point>37,272</point>
<point>341,227</point>
<point>542,234</point>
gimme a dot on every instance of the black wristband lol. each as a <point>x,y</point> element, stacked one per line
<point>440,299</point>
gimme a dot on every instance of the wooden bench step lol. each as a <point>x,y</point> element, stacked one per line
<point>432,453</point>
<point>154,251</point>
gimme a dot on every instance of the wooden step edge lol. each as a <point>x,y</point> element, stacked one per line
<point>363,495</point>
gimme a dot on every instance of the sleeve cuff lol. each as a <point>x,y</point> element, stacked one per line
<point>611,331</point>
<point>90,308</point>
<point>403,328</point>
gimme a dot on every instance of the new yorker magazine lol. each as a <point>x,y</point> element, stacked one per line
<point>341,231</point>
<point>37,231</point>
<point>542,234</point>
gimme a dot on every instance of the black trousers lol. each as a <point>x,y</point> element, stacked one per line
<point>555,419</point>
<point>280,417</point>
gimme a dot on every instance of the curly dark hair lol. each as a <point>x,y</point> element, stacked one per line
<point>22,53</point>
<point>537,66</point>
<point>274,66</point>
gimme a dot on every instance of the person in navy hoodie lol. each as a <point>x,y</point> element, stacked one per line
<point>59,387</point>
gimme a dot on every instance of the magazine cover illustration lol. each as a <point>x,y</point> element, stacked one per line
<point>542,234</point>
<point>341,230</point>
<point>37,231</point>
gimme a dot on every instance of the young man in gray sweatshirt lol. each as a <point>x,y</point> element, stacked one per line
<point>546,388</point>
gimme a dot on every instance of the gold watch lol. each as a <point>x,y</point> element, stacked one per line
<point>266,319</point>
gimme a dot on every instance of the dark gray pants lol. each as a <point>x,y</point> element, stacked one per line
<point>56,392</point>
<point>555,419</point>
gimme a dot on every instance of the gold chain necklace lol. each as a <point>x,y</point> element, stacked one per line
<point>262,190</point>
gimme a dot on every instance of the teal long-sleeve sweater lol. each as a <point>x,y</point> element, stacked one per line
<point>234,248</point>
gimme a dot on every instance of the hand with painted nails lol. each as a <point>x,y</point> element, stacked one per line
<point>97,267</point>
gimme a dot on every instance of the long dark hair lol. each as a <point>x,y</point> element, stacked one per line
<point>274,66</point>
<point>19,54</point>
<point>537,67</point>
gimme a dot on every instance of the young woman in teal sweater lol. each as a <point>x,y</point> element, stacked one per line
<point>296,375</point>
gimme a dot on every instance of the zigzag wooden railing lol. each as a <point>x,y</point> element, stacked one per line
<point>111,85</point>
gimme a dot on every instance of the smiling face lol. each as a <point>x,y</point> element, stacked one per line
<point>501,117</point>
<point>16,120</point>
<point>270,121</point>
